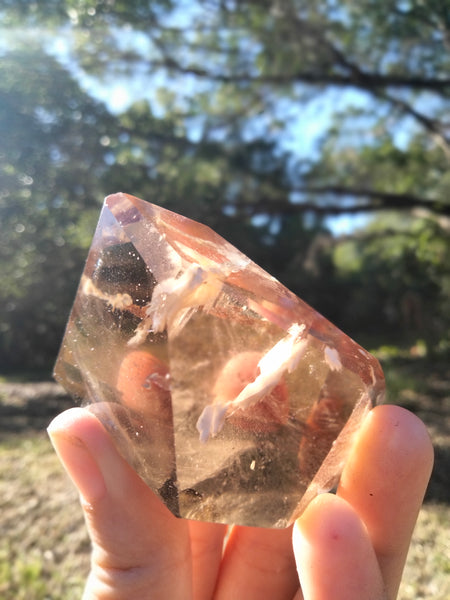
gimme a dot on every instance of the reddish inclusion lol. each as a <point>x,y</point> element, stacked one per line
<point>139,392</point>
<point>269,413</point>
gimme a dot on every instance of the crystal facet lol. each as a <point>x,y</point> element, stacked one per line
<point>234,400</point>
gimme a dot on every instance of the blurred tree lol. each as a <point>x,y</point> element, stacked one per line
<point>219,89</point>
<point>244,70</point>
<point>399,281</point>
<point>64,152</point>
<point>49,193</point>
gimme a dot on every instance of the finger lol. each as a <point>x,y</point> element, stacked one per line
<point>385,480</point>
<point>334,553</point>
<point>206,549</point>
<point>140,550</point>
<point>258,563</point>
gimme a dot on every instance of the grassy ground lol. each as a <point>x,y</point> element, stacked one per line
<point>44,550</point>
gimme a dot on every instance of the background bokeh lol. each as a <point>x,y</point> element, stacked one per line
<point>314,136</point>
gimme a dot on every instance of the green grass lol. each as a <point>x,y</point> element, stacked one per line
<point>21,577</point>
<point>427,571</point>
<point>44,551</point>
<point>403,382</point>
<point>31,577</point>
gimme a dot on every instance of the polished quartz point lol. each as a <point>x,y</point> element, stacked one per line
<point>234,400</point>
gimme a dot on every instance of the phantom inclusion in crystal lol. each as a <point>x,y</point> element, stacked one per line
<point>233,399</point>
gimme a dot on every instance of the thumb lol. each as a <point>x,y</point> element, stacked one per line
<point>139,549</point>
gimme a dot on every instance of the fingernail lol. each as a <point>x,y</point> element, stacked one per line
<point>76,458</point>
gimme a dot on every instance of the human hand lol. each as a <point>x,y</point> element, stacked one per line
<point>350,546</point>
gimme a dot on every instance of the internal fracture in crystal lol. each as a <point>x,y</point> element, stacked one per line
<point>232,398</point>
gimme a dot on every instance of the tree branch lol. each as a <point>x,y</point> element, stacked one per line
<point>365,80</point>
<point>431,125</point>
<point>378,201</point>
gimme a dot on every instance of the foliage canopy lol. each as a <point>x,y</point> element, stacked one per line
<point>262,119</point>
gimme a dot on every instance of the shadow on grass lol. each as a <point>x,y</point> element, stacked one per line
<point>439,487</point>
<point>422,385</point>
<point>28,407</point>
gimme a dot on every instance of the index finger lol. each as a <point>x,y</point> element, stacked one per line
<point>385,480</point>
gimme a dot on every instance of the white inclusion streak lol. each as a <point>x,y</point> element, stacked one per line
<point>174,300</point>
<point>284,356</point>
<point>211,420</point>
<point>171,295</point>
<point>140,333</point>
<point>332,358</point>
<point>116,301</point>
<point>168,299</point>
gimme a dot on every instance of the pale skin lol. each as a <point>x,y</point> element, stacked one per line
<point>350,546</point>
